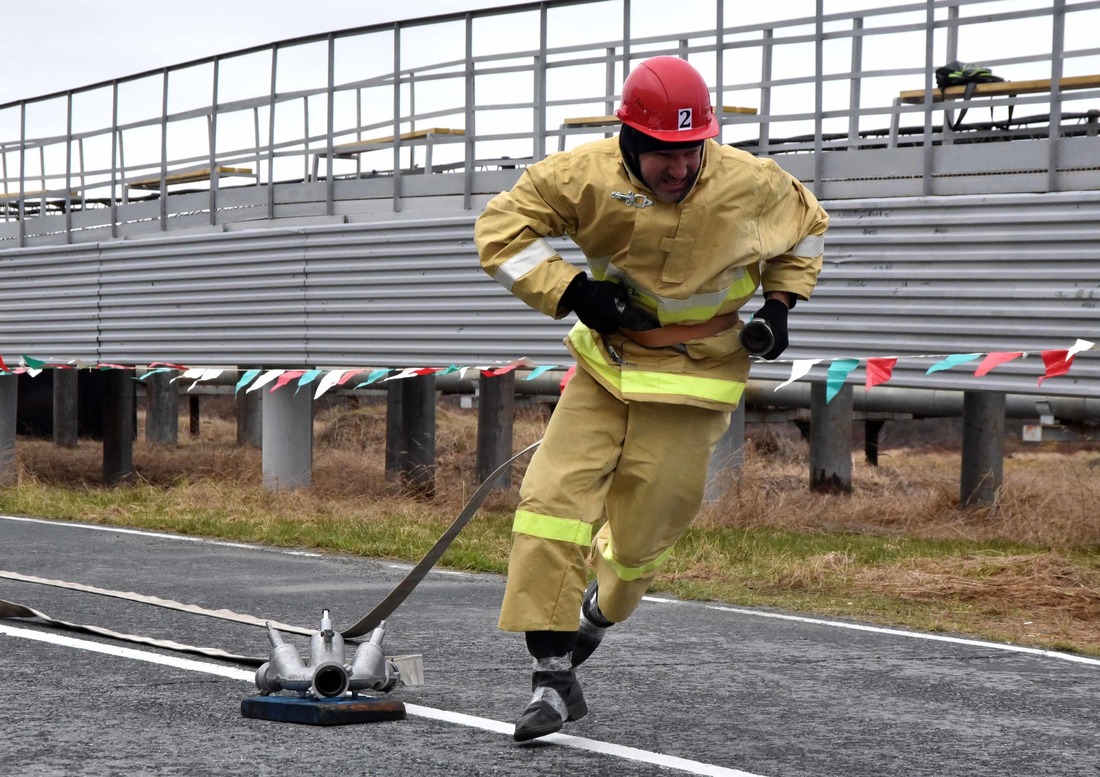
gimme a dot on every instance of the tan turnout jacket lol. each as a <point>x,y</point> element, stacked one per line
<point>745,223</point>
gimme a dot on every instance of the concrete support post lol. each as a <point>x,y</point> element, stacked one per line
<point>162,408</point>
<point>118,428</point>
<point>250,419</point>
<point>495,418</point>
<point>982,448</point>
<point>66,417</point>
<point>287,450</point>
<point>830,440</point>
<point>410,434</point>
<point>193,416</point>
<point>9,401</point>
<point>724,469</point>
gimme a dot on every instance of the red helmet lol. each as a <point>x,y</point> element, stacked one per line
<point>667,99</point>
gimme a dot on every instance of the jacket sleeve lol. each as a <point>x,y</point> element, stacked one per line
<point>792,228</point>
<point>511,239</point>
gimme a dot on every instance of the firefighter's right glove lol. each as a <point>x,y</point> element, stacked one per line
<point>598,304</point>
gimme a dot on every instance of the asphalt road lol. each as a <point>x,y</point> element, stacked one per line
<point>682,688</point>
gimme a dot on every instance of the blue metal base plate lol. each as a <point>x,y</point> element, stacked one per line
<point>322,712</point>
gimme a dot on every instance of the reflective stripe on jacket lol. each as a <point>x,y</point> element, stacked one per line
<point>746,222</point>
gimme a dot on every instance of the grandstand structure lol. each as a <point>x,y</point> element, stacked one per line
<point>309,203</point>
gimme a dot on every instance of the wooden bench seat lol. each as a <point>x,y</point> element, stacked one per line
<point>189,175</point>
<point>992,90</point>
<point>38,194</point>
<point>1002,89</point>
<point>372,144</point>
<point>428,137</point>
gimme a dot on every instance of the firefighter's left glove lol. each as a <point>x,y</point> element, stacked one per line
<point>775,313</point>
<point>598,304</point>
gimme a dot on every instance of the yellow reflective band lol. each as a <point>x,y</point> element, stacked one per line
<point>550,528</point>
<point>745,286</point>
<point>655,383</point>
<point>639,382</point>
<point>632,573</point>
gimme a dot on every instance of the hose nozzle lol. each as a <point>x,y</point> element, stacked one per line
<point>757,337</point>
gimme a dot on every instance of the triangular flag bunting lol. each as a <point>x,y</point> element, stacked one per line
<point>837,374</point>
<point>879,371</point>
<point>798,370</point>
<point>285,378</point>
<point>264,379</point>
<point>331,379</point>
<point>952,361</point>
<point>247,378</point>
<point>994,359</point>
<point>1057,363</point>
<point>1080,345</point>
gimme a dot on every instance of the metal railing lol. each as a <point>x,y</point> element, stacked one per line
<point>309,126</point>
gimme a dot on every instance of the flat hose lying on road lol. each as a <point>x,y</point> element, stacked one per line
<point>363,626</point>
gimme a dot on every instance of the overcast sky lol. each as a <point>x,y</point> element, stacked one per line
<point>53,45</point>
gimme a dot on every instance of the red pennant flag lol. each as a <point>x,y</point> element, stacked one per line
<point>569,373</point>
<point>1057,363</point>
<point>879,371</point>
<point>995,358</point>
<point>496,371</point>
<point>285,378</point>
<point>3,367</point>
<point>169,365</point>
<point>348,376</point>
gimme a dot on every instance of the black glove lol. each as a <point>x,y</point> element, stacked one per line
<point>598,304</point>
<point>775,313</point>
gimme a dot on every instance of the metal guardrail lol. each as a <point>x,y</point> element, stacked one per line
<point>825,89</point>
<point>917,278</point>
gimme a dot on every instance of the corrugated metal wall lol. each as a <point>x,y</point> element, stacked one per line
<point>903,276</point>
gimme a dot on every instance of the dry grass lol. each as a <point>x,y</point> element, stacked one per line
<point>897,550</point>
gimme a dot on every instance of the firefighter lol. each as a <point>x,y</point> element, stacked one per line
<point>679,232</point>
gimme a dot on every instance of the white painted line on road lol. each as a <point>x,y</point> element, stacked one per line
<point>883,630</point>
<point>470,721</point>
<point>163,536</point>
<point>659,600</point>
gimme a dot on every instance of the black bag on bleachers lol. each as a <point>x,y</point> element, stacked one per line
<point>961,74</point>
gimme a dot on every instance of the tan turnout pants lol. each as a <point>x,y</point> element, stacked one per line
<point>644,463</point>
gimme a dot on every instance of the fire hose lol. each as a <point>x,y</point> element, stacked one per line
<point>368,623</point>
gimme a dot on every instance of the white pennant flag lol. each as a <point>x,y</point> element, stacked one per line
<point>798,370</point>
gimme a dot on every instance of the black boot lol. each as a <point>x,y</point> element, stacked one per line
<point>592,627</point>
<point>557,695</point>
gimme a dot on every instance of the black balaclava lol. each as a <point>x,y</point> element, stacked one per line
<point>633,144</point>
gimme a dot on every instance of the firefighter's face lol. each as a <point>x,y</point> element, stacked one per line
<point>670,174</point>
